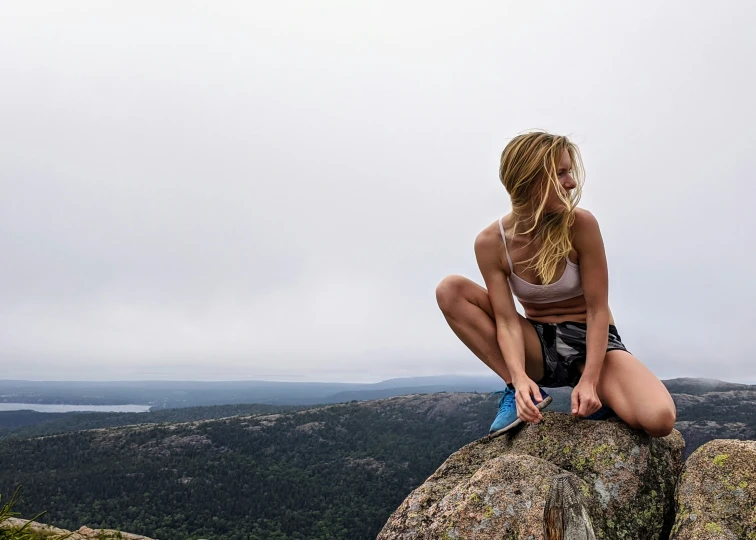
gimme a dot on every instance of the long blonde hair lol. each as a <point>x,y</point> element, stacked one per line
<point>528,171</point>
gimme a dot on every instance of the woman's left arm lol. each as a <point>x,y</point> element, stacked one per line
<point>595,278</point>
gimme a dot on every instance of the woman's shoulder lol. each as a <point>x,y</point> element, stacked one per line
<point>488,250</point>
<point>584,217</point>
<point>585,221</point>
<point>585,228</point>
<point>490,235</point>
<point>489,239</point>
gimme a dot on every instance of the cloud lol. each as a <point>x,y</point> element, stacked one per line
<point>274,191</point>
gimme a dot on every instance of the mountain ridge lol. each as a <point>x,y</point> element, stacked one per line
<point>160,395</point>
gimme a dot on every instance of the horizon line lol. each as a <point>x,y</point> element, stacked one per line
<point>311,381</point>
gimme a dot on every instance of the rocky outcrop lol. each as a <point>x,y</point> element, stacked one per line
<point>716,494</point>
<point>613,481</point>
<point>49,532</point>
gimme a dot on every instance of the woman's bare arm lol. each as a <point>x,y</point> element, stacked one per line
<point>508,330</point>
<point>594,275</point>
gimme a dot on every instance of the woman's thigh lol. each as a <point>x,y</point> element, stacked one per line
<point>635,393</point>
<point>533,353</point>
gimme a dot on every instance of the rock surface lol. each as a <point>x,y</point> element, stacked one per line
<point>507,495</point>
<point>84,533</point>
<point>716,494</point>
<point>498,488</point>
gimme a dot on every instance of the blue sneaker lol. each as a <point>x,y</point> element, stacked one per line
<point>507,418</point>
<point>604,413</point>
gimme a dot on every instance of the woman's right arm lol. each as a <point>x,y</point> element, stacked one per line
<point>508,330</point>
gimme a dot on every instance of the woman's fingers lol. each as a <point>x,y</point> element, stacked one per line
<point>588,406</point>
<point>575,401</point>
<point>526,409</point>
<point>584,406</point>
<point>585,401</point>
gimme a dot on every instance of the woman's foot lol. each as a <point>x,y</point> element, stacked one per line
<point>604,413</point>
<point>507,418</point>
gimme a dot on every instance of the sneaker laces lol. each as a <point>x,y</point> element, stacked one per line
<point>501,400</point>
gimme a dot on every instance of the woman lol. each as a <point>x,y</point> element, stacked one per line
<point>550,255</point>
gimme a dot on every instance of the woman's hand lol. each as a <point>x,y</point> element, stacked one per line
<point>585,400</point>
<point>525,391</point>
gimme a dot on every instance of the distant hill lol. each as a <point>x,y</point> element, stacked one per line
<point>174,394</point>
<point>710,409</point>
<point>695,386</point>
<point>32,423</point>
<point>724,406</point>
<point>177,394</point>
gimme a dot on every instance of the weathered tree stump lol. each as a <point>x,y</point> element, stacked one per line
<point>565,516</point>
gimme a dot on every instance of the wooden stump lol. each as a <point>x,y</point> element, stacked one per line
<point>565,516</point>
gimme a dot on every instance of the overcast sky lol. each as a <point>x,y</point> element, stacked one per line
<point>273,190</point>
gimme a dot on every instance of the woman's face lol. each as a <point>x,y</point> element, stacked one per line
<point>564,175</point>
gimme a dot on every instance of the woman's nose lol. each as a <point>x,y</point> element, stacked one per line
<point>568,183</point>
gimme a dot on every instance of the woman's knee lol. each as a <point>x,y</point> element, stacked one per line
<point>450,291</point>
<point>660,422</point>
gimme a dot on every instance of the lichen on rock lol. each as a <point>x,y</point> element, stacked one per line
<point>716,494</point>
<point>41,530</point>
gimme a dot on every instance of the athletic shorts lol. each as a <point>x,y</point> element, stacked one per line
<point>564,348</point>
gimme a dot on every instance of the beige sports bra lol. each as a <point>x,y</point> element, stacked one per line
<point>566,287</point>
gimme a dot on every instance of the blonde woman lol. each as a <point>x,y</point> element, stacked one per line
<point>550,255</point>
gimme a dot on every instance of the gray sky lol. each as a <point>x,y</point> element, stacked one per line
<point>274,189</point>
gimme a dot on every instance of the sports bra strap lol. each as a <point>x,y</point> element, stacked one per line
<point>501,228</point>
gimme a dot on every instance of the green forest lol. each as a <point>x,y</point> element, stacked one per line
<point>330,473</point>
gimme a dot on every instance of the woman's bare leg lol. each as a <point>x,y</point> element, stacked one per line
<point>626,385</point>
<point>467,309</point>
<point>636,394</point>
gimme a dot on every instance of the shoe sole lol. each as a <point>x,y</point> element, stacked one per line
<point>605,416</point>
<point>542,405</point>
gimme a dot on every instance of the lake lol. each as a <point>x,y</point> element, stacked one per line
<point>41,407</point>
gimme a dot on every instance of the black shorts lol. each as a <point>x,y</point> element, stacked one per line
<point>563,347</point>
